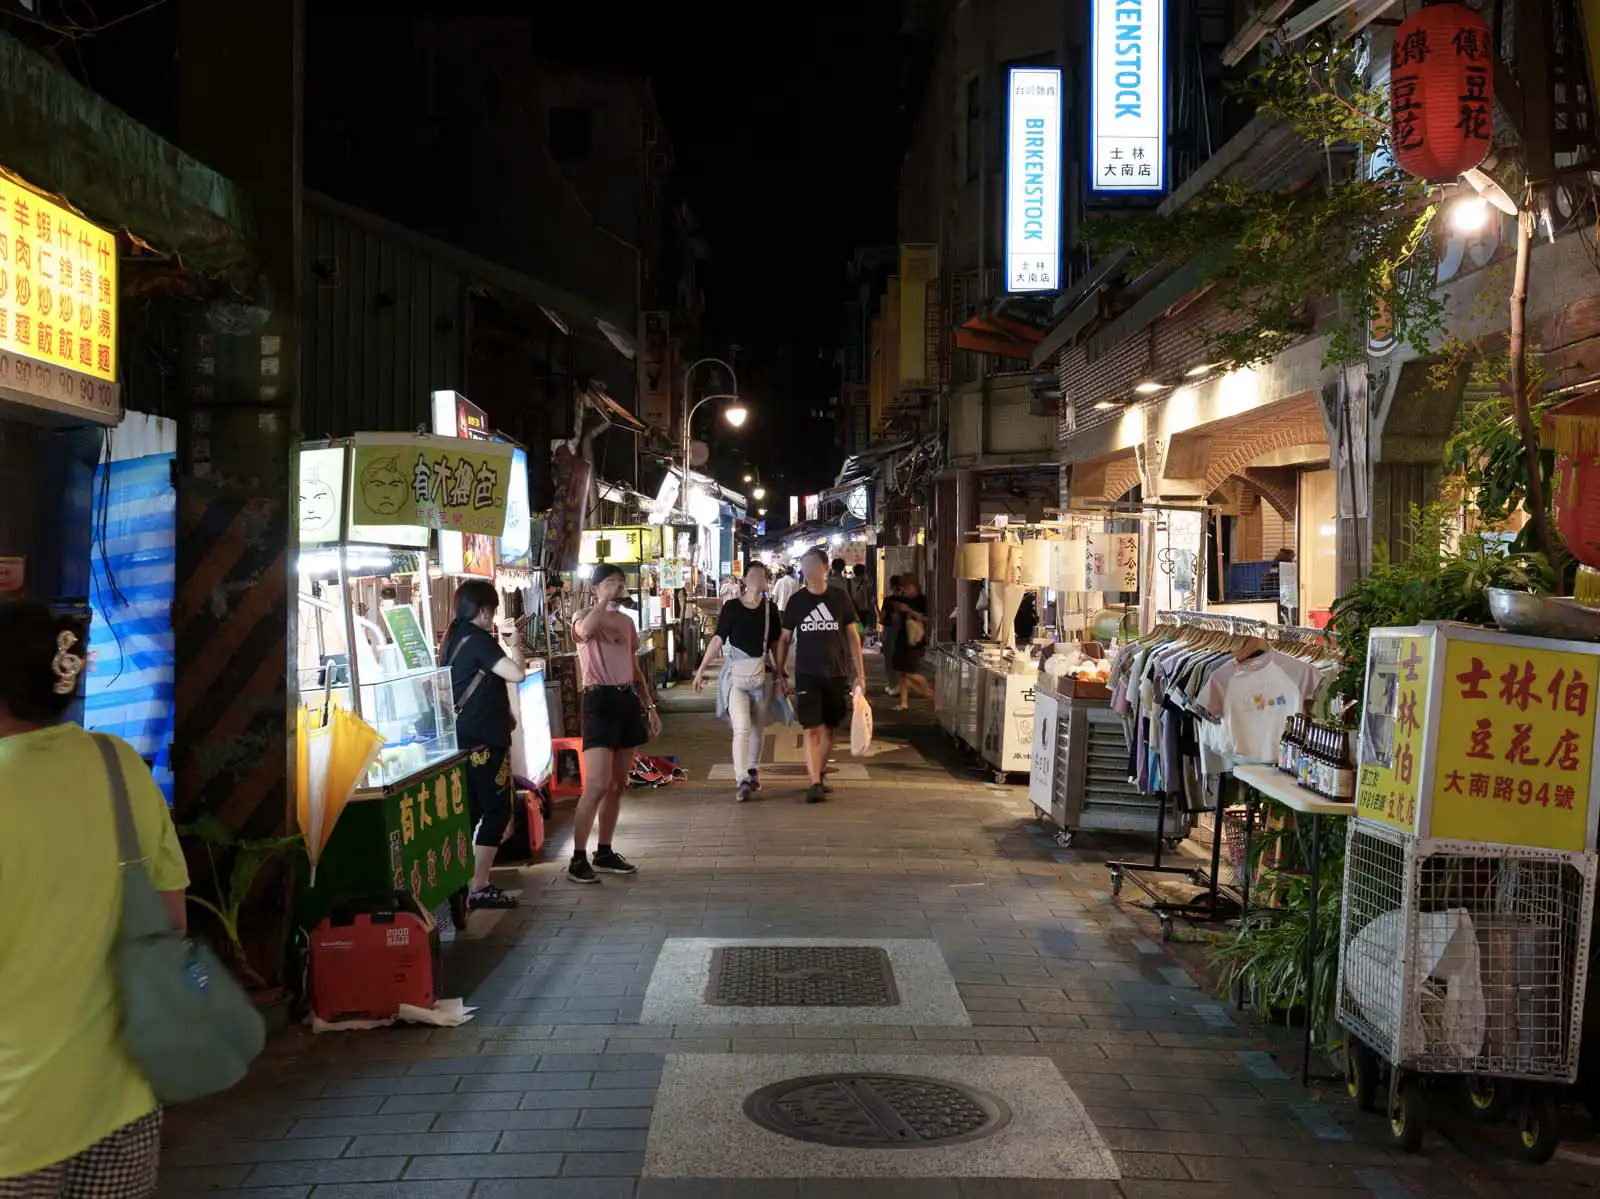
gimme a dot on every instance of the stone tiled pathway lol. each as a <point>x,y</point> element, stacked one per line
<point>552,1091</point>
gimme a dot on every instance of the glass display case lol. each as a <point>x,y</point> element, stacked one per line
<point>413,713</point>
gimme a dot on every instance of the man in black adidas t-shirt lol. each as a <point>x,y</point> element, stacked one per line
<point>819,624</point>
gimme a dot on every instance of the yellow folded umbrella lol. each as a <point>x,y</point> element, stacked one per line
<point>330,762</point>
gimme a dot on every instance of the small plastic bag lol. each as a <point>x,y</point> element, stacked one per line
<point>861,726</point>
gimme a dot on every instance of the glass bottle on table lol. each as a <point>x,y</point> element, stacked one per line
<point>1344,771</point>
<point>1289,746</point>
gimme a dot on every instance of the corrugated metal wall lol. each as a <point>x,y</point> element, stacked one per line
<point>384,326</point>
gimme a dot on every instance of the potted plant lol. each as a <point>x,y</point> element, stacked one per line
<point>241,859</point>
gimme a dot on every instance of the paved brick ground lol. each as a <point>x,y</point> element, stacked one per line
<point>549,1092</point>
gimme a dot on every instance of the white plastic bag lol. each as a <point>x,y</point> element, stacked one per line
<point>861,726</point>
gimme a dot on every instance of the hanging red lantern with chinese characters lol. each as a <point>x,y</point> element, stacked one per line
<point>1441,92</point>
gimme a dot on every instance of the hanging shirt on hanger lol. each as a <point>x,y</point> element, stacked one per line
<point>1255,698</point>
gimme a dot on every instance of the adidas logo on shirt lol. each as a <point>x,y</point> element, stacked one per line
<point>819,620</point>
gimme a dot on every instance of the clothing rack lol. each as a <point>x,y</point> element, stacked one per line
<point>1216,902</point>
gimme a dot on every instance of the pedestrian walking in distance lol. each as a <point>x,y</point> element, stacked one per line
<point>747,630</point>
<point>819,626</point>
<point>619,715</point>
<point>912,610</point>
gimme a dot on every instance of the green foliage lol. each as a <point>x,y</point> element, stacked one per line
<point>245,858</point>
<point>1272,254</point>
<point>1266,954</point>
<point>1442,577</point>
<point>1485,450</point>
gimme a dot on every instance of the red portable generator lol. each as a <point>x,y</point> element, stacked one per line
<point>368,956</point>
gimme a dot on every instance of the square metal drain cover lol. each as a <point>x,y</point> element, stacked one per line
<point>801,976</point>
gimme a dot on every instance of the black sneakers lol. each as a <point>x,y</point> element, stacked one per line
<point>581,872</point>
<point>614,863</point>
<point>755,780</point>
<point>490,899</point>
<point>816,793</point>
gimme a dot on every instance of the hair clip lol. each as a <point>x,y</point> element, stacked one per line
<point>67,665</point>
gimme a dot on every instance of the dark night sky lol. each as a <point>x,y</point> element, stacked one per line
<point>786,120</point>
<point>787,124</point>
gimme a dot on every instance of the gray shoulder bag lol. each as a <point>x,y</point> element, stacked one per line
<point>187,1025</point>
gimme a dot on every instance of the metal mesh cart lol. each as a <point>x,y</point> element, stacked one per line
<point>1465,959</point>
<point>1470,871</point>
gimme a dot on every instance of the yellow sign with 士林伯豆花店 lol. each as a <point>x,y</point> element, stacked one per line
<point>437,482</point>
<point>58,303</point>
<point>1515,745</point>
<point>1394,730</point>
<point>1474,735</point>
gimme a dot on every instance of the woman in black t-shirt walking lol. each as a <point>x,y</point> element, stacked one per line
<point>747,628</point>
<point>479,672</point>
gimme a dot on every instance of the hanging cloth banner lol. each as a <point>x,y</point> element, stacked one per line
<point>974,563</point>
<point>1113,562</point>
<point>1068,560</point>
<point>438,482</point>
<point>1037,559</point>
<point>1003,557</point>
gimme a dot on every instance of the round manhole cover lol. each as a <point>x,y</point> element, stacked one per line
<point>876,1111</point>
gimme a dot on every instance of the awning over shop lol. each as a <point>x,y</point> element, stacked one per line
<point>995,334</point>
<point>861,467</point>
<point>65,139</point>
<point>613,413</point>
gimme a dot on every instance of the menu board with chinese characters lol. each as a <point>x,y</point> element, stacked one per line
<point>1393,731</point>
<point>415,836</point>
<point>432,855</point>
<point>406,630</point>
<point>1516,745</point>
<point>439,482</point>
<point>58,306</point>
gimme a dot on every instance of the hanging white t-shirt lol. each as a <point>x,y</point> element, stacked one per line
<point>1254,700</point>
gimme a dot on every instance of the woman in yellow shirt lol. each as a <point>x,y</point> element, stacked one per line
<point>76,1119</point>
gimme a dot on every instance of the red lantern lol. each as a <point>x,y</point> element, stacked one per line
<point>1572,430</point>
<point>1441,92</point>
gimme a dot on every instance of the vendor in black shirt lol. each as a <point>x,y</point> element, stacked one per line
<point>479,672</point>
<point>747,628</point>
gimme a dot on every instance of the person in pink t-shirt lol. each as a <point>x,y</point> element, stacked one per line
<point>619,714</point>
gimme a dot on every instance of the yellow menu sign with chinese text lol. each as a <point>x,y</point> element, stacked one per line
<point>1394,729</point>
<point>1515,745</point>
<point>58,285</point>
<point>436,482</point>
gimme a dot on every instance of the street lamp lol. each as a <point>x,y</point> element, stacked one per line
<point>758,492</point>
<point>734,414</point>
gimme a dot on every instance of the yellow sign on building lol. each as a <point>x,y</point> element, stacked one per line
<point>437,482</point>
<point>1516,745</point>
<point>623,545</point>
<point>58,285</point>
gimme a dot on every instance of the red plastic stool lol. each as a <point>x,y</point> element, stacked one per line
<point>563,788</point>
